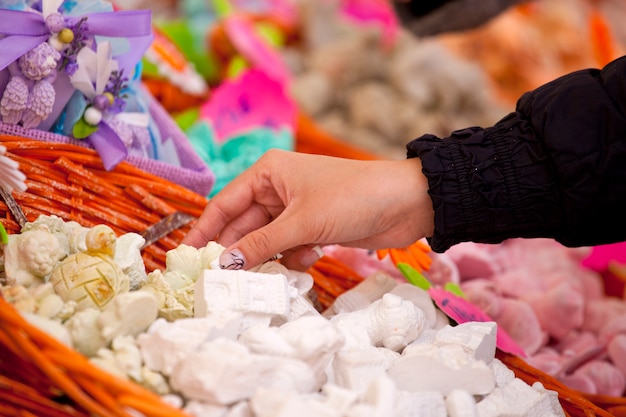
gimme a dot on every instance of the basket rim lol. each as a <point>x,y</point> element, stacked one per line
<point>193,174</point>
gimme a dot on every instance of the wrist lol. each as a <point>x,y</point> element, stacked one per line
<point>424,214</point>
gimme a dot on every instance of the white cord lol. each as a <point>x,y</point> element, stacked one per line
<point>11,178</point>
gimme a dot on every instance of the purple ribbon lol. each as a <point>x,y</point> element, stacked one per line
<point>109,146</point>
<point>24,30</point>
<point>134,25</point>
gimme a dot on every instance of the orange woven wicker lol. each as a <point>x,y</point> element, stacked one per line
<point>40,376</point>
<point>331,279</point>
<point>70,182</point>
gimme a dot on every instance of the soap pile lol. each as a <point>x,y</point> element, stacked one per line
<point>547,297</point>
<point>379,98</point>
<point>249,343</point>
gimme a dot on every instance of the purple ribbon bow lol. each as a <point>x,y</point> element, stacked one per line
<point>21,31</point>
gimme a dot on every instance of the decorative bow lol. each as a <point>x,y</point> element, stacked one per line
<point>93,76</point>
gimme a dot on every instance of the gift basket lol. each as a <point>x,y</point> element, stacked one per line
<point>41,376</point>
<point>71,73</point>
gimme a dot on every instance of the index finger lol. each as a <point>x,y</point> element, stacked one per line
<point>232,201</point>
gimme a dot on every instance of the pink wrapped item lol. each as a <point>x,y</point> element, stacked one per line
<point>519,320</point>
<point>548,360</point>
<point>473,261</point>
<point>612,328</point>
<point>605,378</point>
<point>560,309</point>
<point>555,308</point>
<point>485,295</point>
<point>617,352</point>
<point>601,311</point>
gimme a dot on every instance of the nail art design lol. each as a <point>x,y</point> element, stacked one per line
<point>232,260</point>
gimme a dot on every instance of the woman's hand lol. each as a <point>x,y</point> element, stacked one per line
<point>290,202</point>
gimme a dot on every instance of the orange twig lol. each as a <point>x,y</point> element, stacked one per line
<point>148,200</point>
<point>55,374</point>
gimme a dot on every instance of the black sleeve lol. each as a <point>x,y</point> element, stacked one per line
<point>432,17</point>
<point>555,168</point>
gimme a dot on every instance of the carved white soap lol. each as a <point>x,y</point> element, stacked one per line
<point>247,292</point>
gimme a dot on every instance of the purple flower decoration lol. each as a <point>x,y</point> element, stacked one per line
<point>80,39</point>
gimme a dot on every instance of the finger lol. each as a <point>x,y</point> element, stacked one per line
<point>256,216</point>
<point>234,199</point>
<point>198,236</point>
<point>302,258</point>
<point>207,227</point>
<point>262,244</point>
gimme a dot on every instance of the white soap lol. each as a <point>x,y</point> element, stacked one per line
<point>461,403</point>
<point>243,291</point>
<point>476,338</point>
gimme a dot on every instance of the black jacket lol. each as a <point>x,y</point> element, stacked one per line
<point>556,167</point>
<point>432,17</point>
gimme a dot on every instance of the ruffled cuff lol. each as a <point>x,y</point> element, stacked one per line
<point>490,184</point>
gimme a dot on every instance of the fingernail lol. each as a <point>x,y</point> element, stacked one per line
<point>233,259</point>
<point>312,256</point>
<point>275,257</point>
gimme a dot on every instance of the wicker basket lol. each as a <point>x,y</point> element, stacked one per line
<point>69,181</point>
<point>45,377</point>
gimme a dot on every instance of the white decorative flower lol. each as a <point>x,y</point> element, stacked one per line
<point>94,70</point>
